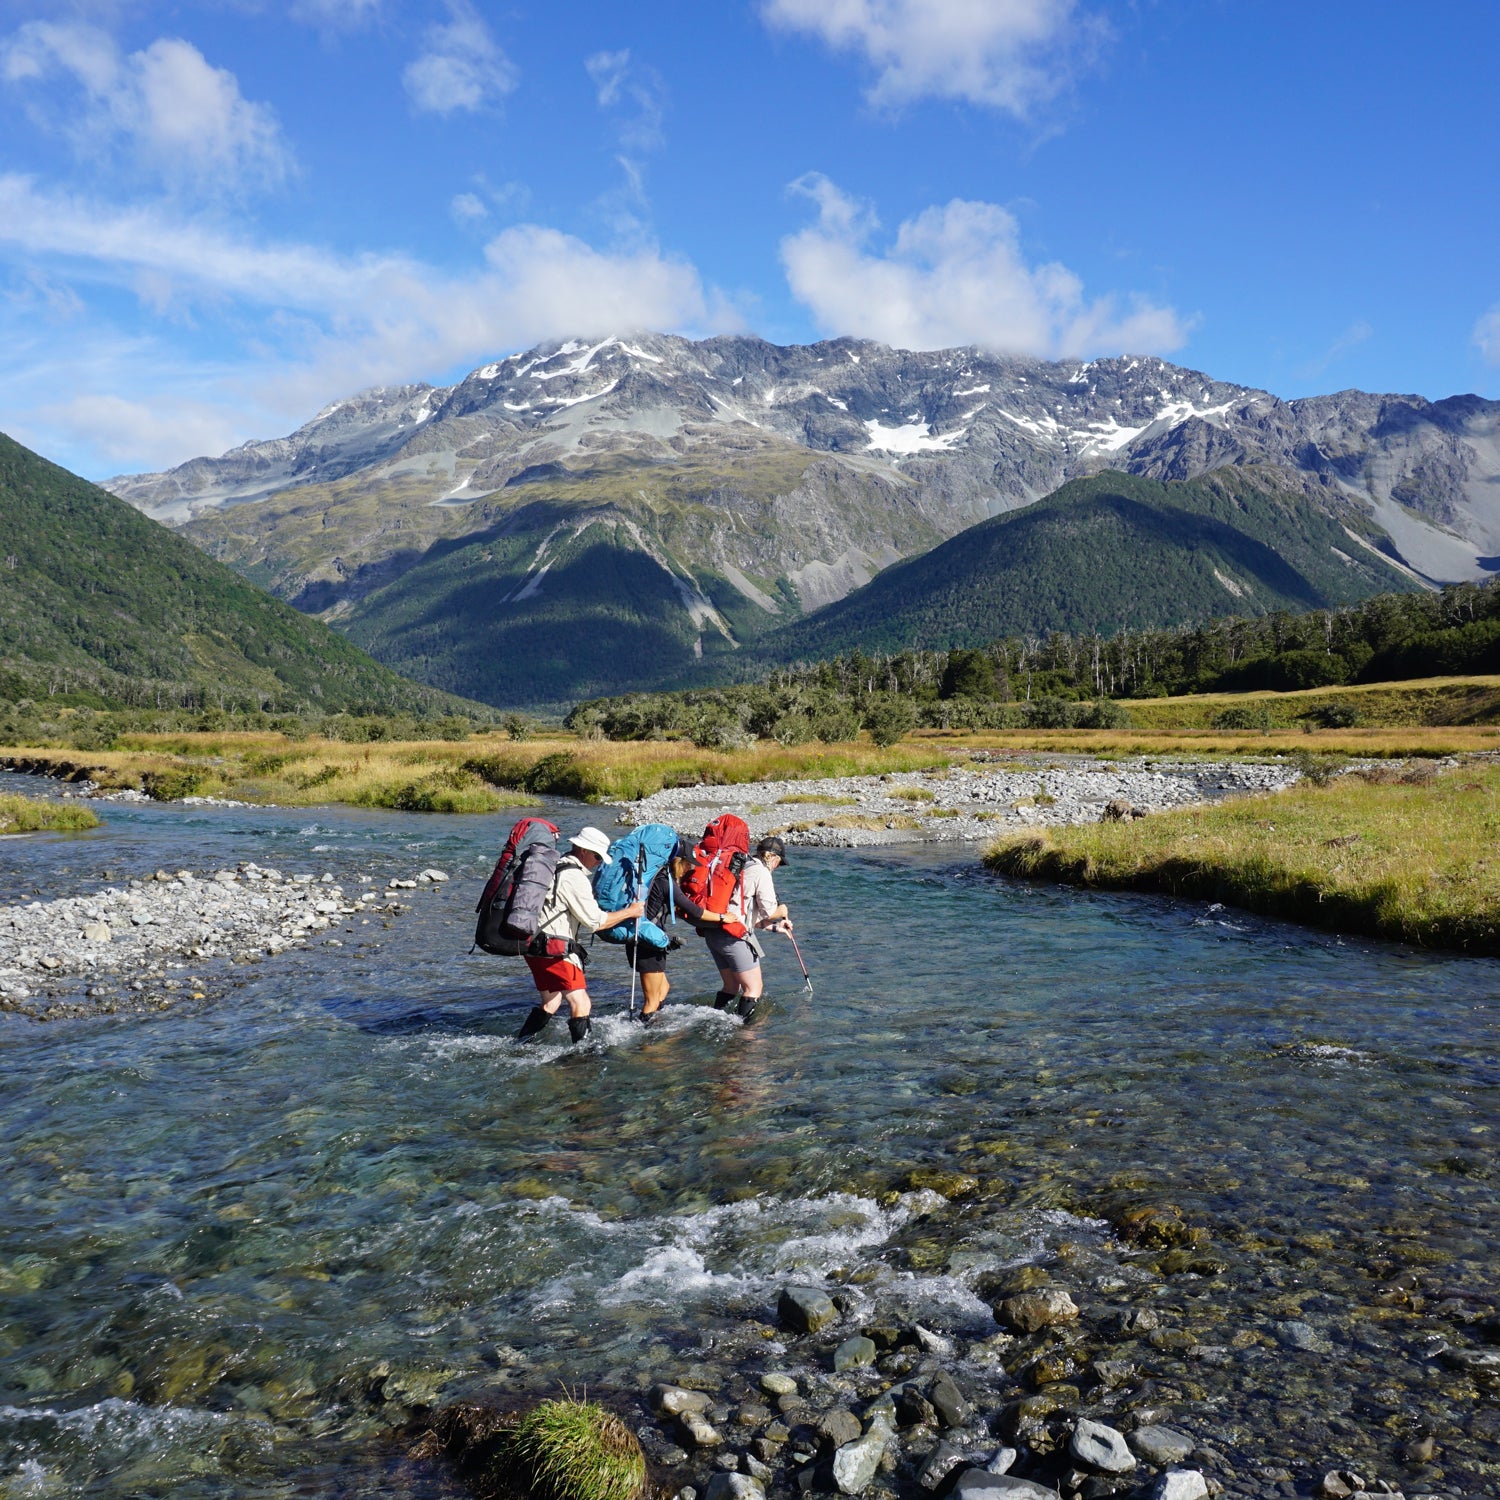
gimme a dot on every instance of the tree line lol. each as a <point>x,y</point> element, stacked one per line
<point>1064,680</point>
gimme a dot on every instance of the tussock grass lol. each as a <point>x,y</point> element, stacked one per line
<point>1399,853</point>
<point>912,794</point>
<point>480,774</point>
<point>796,798</point>
<point>31,815</point>
<point>576,1450</point>
<point>1391,743</point>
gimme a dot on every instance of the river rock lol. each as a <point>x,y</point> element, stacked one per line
<point>1002,1461</point>
<point>854,1353</point>
<point>674,1400</point>
<point>432,877</point>
<point>934,1343</point>
<point>697,1431</point>
<point>980,1484</point>
<point>838,1427</point>
<point>1100,1447</point>
<point>1303,1336</point>
<point>734,1487</point>
<point>774,1383</point>
<point>913,1409</point>
<point>98,932</point>
<point>1160,1445</point>
<point>938,1465</point>
<point>1046,1307</point>
<point>948,1400</point>
<point>854,1464</point>
<point>1180,1484</point>
<point>805,1309</point>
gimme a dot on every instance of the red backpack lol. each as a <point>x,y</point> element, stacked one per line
<point>510,908</point>
<point>717,863</point>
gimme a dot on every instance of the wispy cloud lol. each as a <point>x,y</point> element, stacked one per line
<point>956,275</point>
<point>339,15</point>
<point>460,67</point>
<point>304,324</point>
<point>1011,55</point>
<point>167,108</point>
<point>1352,337</point>
<point>1487,335</point>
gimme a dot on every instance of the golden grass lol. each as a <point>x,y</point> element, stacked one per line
<point>874,823</point>
<point>1405,855</point>
<point>480,774</point>
<point>1382,743</point>
<point>32,815</point>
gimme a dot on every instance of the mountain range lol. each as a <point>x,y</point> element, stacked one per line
<point>593,516</point>
<point>103,604</point>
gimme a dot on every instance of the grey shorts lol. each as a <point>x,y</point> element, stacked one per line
<point>732,952</point>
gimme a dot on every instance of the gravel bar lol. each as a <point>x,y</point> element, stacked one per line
<point>977,800</point>
<point>117,948</point>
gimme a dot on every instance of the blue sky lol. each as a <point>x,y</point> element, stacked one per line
<point>217,217</point>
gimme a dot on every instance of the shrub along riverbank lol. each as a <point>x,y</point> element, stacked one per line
<point>31,815</point>
<point>1404,853</point>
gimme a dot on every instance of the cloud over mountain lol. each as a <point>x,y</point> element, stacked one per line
<point>955,275</point>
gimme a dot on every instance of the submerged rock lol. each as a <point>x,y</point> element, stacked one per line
<point>1160,1445</point>
<point>854,1353</point>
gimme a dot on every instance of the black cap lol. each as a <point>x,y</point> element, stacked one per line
<point>772,845</point>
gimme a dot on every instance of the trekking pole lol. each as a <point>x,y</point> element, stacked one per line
<point>806,977</point>
<point>635,951</point>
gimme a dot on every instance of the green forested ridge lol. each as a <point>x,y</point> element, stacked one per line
<point>1071,680</point>
<point>100,603</point>
<point>1108,553</point>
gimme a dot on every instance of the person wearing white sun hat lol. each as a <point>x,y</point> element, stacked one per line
<point>570,908</point>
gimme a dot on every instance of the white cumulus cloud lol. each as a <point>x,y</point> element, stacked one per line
<point>167,106</point>
<point>1008,54</point>
<point>956,275</point>
<point>461,66</point>
<point>323,324</point>
<point>1487,335</point>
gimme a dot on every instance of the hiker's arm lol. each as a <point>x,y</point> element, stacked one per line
<point>692,912</point>
<point>577,895</point>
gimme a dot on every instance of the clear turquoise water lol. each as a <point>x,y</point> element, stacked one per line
<point>218,1224</point>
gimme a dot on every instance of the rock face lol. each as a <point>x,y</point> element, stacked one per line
<point>740,484</point>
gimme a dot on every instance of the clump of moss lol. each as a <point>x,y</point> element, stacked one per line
<point>576,1450</point>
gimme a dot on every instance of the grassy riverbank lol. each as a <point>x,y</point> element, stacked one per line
<point>1401,853</point>
<point>482,773</point>
<point>30,815</point>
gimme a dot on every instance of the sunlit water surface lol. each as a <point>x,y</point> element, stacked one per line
<point>220,1225</point>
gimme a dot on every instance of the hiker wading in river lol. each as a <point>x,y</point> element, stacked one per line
<point>755,906</point>
<point>649,961</point>
<point>569,909</point>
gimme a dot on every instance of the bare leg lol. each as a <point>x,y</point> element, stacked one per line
<point>654,989</point>
<point>579,1004</point>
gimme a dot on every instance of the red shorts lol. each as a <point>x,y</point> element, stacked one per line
<point>555,974</point>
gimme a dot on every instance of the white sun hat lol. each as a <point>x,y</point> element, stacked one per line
<point>592,839</point>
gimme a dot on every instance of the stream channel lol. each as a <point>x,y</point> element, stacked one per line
<point>243,1241</point>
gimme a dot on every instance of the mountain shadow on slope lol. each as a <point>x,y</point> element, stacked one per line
<point>545,609</point>
<point>1111,552</point>
<point>99,602</point>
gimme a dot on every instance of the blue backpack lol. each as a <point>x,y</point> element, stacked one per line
<point>634,862</point>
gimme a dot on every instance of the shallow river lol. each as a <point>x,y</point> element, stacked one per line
<point>239,1242</point>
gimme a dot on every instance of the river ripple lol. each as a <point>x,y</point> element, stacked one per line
<point>222,1225</point>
